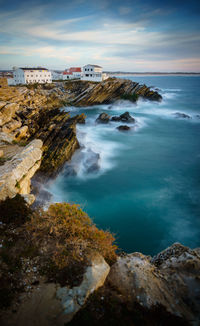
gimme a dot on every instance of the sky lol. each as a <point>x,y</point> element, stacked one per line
<point>125,35</point>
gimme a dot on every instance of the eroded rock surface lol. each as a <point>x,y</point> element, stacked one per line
<point>16,173</point>
<point>170,279</point>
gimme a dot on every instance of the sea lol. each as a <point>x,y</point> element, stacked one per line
<point>143,185</point>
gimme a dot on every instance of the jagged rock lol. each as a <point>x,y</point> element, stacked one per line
<point>182,115</point>
<point>125,117</point>
<point>21,133</point>
<point>5,138</point>
<point>12,125</point>
<point>103,118</point>
<point>29,198</point>
<point>8,112</point>
<point>123,128</point>
<point>85,93</point>
<point>1,153</point>
<point>170,279</point>
<point>15,174</point>
<point>51,305</point>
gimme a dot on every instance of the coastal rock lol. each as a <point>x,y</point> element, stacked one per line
<point>91,161</point>
<point>182,115</point>
<point>103,118</point>
<point>5,138</point>
<point>8,112</point>
<point>171,279</point>
<point>15,174</point>
<point>73,299</point>
<point>12,125</point>
<point>125,117</point>
<point>83,93</point>
<point>123,128</point>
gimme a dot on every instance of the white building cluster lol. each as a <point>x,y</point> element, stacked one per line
<point>32,75</point>
<point>43,75</point>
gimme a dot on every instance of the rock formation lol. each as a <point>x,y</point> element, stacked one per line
<point>170,279</point>
<point>125,117</point>
<point>16,173</point>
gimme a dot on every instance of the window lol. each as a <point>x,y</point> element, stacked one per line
<point>87,75</point>
<point>31,75</point>
<point>27,75</point>
<point>90,75</point>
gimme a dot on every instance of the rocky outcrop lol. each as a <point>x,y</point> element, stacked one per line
<point>49,304</point>
<point>103,118</point>
<point>171,279</point>
<point>83,93</point>
<point>16,173</point>
<point>125,117</point>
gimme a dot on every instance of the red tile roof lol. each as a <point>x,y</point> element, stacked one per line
<point>75,69</point>
<point>67,73</point>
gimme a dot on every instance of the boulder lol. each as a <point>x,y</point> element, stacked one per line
<point>125,117</point>
<point>8,112</point>
<point>21,133</point>
<point>123,128</point>
<point>103,118</point>
<point>5,138</point>
<point>171,279</point>
<point>15,174</point>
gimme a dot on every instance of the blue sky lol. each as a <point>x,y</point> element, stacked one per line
<point>128,35</point>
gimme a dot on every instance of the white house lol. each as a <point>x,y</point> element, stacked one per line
<point>93,73</point>
<point>32,75</point>
<point>72,73</point>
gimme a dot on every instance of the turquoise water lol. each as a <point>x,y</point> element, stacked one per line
<point>147,187</point>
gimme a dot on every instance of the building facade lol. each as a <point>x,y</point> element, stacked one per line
<point>32,75</point>
<point>72,73</point>
<point>93,73</point>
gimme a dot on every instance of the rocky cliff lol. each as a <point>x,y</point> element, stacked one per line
<point>83,93</point>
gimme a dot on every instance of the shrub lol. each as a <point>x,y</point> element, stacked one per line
<point>14,210</point>
<point>69,238</point>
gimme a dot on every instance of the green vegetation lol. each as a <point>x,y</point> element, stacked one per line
<point>130,97</point>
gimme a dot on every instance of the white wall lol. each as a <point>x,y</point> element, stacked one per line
<point>92,73</point>
<point>10,81</point>
<point>32,76</point>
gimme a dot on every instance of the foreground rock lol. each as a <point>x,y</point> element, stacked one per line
<point>125,117</point>
<point>49,304</point>
<point>16,174</point>
<point>171,279</point>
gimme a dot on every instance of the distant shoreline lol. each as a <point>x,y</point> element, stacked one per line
<point>152,73</point>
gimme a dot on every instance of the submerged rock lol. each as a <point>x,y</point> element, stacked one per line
<point>103,118</point>
<point>125,117</point>
<point>123,128</point>
<point>91,161</point>
<point>182,115</point>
